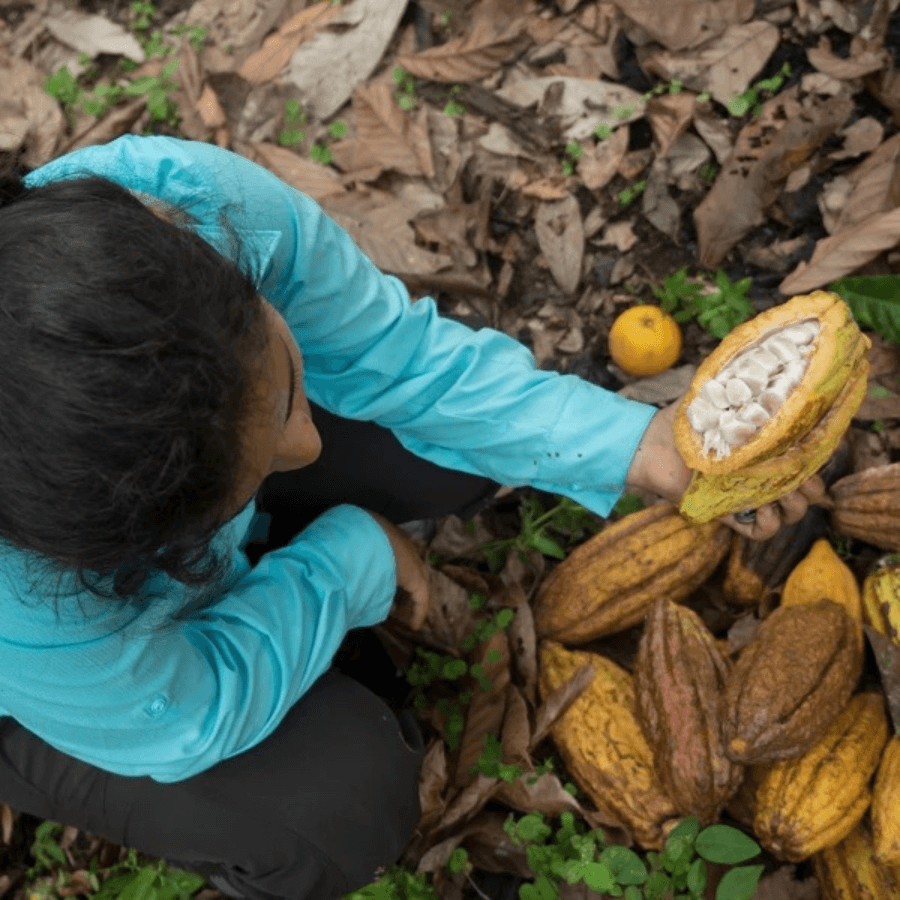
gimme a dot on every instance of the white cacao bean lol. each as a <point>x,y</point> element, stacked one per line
<point>713,392</point>
<point>754,414</point>
<point>737,392</point>
<point>783,348</point>
<point>702,415</point>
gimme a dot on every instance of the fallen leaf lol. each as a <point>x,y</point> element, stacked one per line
<point>843,253</point>
<point>560,235</point>
<point>546,189</point>
<point>619,235</point>
<point>600,162</point>
<point>312,178</point>
<point>685,23</point>
<point>862,136</point>
<point>725,66</point>
<point>768,149</point>
<point>670,116</point>
<point>93,34</point>
<point>662,388</point>
<point>432,784</point>
<point>856,66</point>
<point>658,205</point>
<point>887,657</point>
<point>467,58</point>
<point>875,186</point>
<point>523,649</point>
<point>491,849</point>
<point>559,701</point>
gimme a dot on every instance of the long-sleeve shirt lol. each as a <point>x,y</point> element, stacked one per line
<point>162,691</point>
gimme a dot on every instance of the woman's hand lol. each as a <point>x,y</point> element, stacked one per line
<point>657,467</point>
<point>411,604</point>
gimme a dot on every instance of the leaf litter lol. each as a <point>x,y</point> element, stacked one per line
<point>500,185</point>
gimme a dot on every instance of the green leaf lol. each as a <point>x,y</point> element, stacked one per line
<point>740,883</point>
<point>725,845</point>
<point>625,864</point>
<point>874,301</point>
<point>458,861</point>
<point>547,546</point>
<point>687,828</point>
<point>627,504</point>
<point>696,879</point>
<point>542,889</point>
<point>598,877</point>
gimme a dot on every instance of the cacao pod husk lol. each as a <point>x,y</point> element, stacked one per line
<point>608,583</point>
<point>849,870</point>
<point>757,569</point>
<point>679,677</point>
<point>867,506</point>
<point>603,747</point>
<point>881,601</point>
<point>742,805</point>
<point>814,801</point>
<point>804,431</point>
<point>886,805</point>
<point>787,685</point>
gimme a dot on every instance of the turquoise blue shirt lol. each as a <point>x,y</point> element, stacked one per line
<point>146,693</point>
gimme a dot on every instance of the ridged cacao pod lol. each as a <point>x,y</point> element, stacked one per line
<point>867,506</point>
<point>849,871</point>
<point>742,806</point>
<point>790,681</point>
<point>810,388</point>
<point>886,805</point>
<point>607,584</point>
<point>756,569</point>
<point>814,801</point>
<point>603,747</point>
<point>881,601</point>
<point>823,574</point>
<point>679,676</point>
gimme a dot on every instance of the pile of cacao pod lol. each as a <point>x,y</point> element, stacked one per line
<point>782,734</point>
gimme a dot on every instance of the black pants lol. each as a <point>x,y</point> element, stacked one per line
<point>331,795</point>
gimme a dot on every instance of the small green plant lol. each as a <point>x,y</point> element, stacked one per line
<point>576,856</point>
<point>749,100</point>
<point>491,764</point>
<point>294,131</point>
<point>397,883</point>
<point>842,546</point>
<point>603,131</point>
<point>567,516</point>
<point>405,95</point>
<point>708,171</point>
<point>703,97</point>
<point>197,35</point>
<point>574,152</point>
<point>717,311</point>
<point>627,504</point>
<point>877,425</point>
<point>623,112</point>
<point>446,18</point>
<point>454,107</point>
<point>673,87</point>
<point>630,194</point>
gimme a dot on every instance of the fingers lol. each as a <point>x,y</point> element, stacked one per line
<point>770,517</point>
<point>816,493</point>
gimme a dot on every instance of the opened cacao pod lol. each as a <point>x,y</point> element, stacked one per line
<point>790,681</point>
<point>849,871</point>
<point>814,801</point>
<point>770,404</point>
<point>679,677</point>
<point>886,805</point>
<point>607,584</point>
<point>603,747</point>
<point>881,601</point>
<point>867,506</point>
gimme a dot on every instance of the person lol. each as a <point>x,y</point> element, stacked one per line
<point>192,351</point>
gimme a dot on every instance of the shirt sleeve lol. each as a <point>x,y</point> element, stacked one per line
<point>466,400</point>
<point>191,692</point>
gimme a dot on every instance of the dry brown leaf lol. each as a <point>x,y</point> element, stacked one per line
<point>863,136</point>
<point>486,709</point>
<point>386,136</point>
<point>523,649</point>
<point>560,235</point>
<point>516,734</point>
<point>715,132</point>
<point>559,701</point>
<point>857,65</point>
<point>725,66</point>
<point>432,784</point>
<point>467,58</point>
<point>680,24</point>
<point>670,117</point>
<point>312,178</point>
<point>491,849</point>
<point>658,205</point>
<point>468,802</point>
<point>786,133</point>
<point>844,252</point>
<point>874,186</point>
<point>546,189</point>
<point>599,164</point>
<point>619,235</point>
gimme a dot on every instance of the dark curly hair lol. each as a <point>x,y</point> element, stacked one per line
<point>129,359</point>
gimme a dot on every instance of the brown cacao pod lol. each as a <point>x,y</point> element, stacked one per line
<point>603,747</point>
<point>790,681</point>
<point>886,805</point>
<point>787,384</point>
<point>742,806</point>
<point>679,676</point>
<point>849,871</point>
<point>813,801</point>
<point>881,601</point>
<point>607,584</point>
<point>867,506</point>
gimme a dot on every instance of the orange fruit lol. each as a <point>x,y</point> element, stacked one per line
<point>644,340</point>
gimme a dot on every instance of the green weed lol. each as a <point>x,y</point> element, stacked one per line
<point>630,194</point>
<point>717,312</point>
<point>749,100</point>
<point>405,95</point>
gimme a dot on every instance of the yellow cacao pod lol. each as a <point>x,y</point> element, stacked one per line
<point>849,870</point>
<point>867,506</point>
<point>806,804</point>
<point>886,805</point>
<point>608,583</point>
<point>679,676</point>
<point>776,407</point>
<point>790,681</point>
<point>881,601</point>
<point>603,747</point>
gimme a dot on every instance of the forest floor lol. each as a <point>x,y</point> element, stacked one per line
<point>537,167</point>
